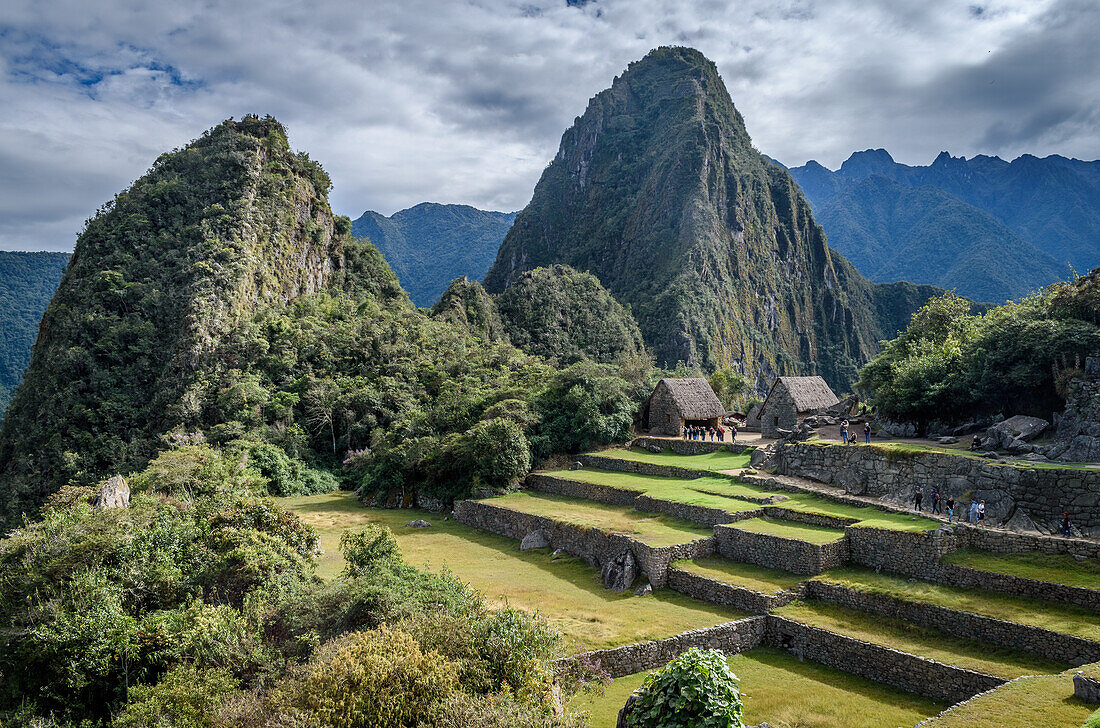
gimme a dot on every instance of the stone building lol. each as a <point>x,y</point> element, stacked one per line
<point>790,400</point>
<point>678,402</point>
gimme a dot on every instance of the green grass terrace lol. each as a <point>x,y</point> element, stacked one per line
<point>778,688</point>
<point>790,529</point>
<point>747,576</point>
<point>567,592</point>
<point>649,528</point>
<point>725,459</point>
<point>1056,569</point>
<point>1063,618</point>
<point>920,641</point>
<point>1041,700</point>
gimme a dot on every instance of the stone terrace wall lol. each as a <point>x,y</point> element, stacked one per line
<point>591,544</point>
<point>687,447</point>
<point>719,592</point>
<point>1037,493</point>
<point>1044,643</point>
<point>632,466</point>
<point>731,637</point>
<point>813,519</point>
<point>579,489</point>
<point>884,665</point>
<point>778,552</point>
<point>701,515</point>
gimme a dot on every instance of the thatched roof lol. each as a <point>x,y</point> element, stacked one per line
<point>809,393</point>
<point>695,398</point>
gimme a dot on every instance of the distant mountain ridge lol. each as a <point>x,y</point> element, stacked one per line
<point>431,244</point>
<point>991,229</point>
<point>27,282</point>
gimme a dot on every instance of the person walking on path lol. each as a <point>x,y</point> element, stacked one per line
<point>844,431</point>
<point>867,433</point>
<point>733,433</point>
<point>935,499</point>
<point>973,512</point>
<point>950,508</point>
<point>1065,525</point>
<point>919,498</point>
<point>981,513</point>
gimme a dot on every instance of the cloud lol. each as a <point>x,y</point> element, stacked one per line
<point>406,101</point>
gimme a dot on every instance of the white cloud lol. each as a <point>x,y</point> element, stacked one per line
<point>408,101</point>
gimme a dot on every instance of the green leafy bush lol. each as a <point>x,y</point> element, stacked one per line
<point>365,548</point>
<point>185,697</point>
<point>696,690</point>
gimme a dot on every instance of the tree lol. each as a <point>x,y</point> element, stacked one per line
<point>728,385</point>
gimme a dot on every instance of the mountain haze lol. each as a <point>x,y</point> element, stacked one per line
<point>991,229</point>
<point>430,245</point>
<point>658,191</point>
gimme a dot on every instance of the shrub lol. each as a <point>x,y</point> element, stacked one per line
<point>364,549</point>
<point>498,452</point>
<point>286,476</point>
<point>696,690</point>
<point>186,697</point>
<point>375,679</point>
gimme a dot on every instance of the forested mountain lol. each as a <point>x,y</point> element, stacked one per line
<point>989,228</point>
<point>27,281</point>
<point>429,245</point>
<point>658,191</point>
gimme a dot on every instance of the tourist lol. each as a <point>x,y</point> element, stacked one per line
<point>844,432</point>
<point>1065,524</point>
<point>687,431</point>
<point>976,443</point>
<point>721,434</point>
<point>733,433</point>
<point>981,513</point>
<point>950,508</point>
<point>973,518</point>
<point>867,433</point>
<point>935,499</point>
<point>919,497</point>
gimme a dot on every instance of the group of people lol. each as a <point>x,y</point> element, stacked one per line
<point>717,434</point>
<point>846,435</point>
<point>977,507</point>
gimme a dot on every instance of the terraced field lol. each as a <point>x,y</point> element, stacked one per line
<point>748,576</point>
<point>790,529</point>
<point>778,688</point>
<point>1057,569</point>
<point>719,460</point>
<point>1042,700</point>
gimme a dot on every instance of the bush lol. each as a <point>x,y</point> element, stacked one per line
<point>696,690</point>
<point>286,476</point>
<point>184,698</point>
<point>497,452</point>
<point>364,549</point>
<point>375,679</point>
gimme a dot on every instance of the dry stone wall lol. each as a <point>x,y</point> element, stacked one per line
<point>884,665</point>
<point>633,466</point>
<point>1026,497</point>
<point>591,544</point>
<point>1050,645</point>
<point>732,638</point>
<point>579,489</point>
<point>779,552</point>
<point>719,592</point>
<point>687,447</point>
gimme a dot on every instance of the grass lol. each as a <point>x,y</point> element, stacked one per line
<point>790,529</point>
<point>722,492</point>
<point>1063,618</point>
<point>1060,569</point>
<point>567,592</point>
<point>1044,700</point>
<point>652,529</point>
<point>923,642</point>
<point>776,687</point>
<point>719,460</point>
<point>749,576</point>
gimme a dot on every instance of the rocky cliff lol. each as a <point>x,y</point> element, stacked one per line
<point>658,191</point>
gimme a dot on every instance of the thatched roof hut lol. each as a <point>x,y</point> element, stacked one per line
<point>792,397</point>
<point>675,402</point>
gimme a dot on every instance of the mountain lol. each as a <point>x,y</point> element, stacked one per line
<point>991,229</point>
<point>658,192</point>
<point>429,245</point>
<point>27,281</point>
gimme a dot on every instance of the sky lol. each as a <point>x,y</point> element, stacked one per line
<point>409,101</point>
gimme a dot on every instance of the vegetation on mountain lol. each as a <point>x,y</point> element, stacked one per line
<point>566,316</point>
<point>466,304</point>
<point>658,192</point>
<point>27,281</point>
<point>1014,359</point>
<point>990,229</point>
<point>430,244</point>
<point>219,301</point>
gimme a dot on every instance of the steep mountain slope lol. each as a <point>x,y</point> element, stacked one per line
<point>658,191</point>
<point>158,280</point>
<point>27,281</point>
<point>1000,227</point>
<point>429,245</point>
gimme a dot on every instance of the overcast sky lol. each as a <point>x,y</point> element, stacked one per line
<point>417,100</point>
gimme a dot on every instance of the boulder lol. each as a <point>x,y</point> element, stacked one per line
<point>991,455</point>
<point>757,458</point>
<point>644,589</point>
<point>619,573</point>
<point>656,449</point>
<point>948,440</point>
<point>1020,427</point>
<point>535,540</point>
<point>418,523</point>
<point>1036,457</point>
<point>1021,522</point>
<point>558,554</point>
<point>624,714</point>
<point>114,493</point>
